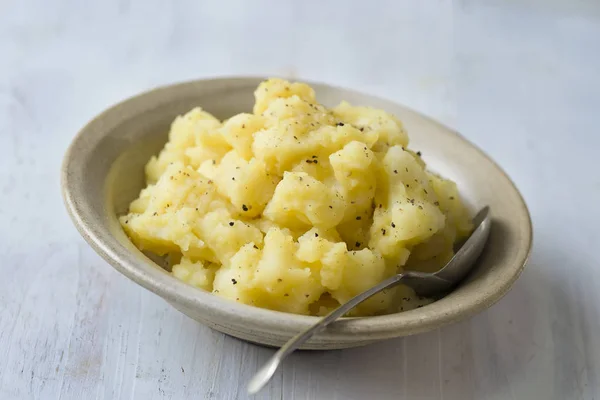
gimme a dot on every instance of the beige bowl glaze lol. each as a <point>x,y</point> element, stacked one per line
<point>103,171</point>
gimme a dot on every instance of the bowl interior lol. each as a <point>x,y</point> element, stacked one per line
<point>104,171</point>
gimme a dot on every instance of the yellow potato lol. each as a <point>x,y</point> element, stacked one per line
<point>296,207</point>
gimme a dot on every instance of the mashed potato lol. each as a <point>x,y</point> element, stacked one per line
<point>296,207</point>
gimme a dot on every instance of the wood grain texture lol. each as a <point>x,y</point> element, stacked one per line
<point>519,78</point>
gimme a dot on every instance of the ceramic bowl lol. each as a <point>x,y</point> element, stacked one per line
<point>103,171</point>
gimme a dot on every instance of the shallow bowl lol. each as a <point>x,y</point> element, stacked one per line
<point>103,171</point>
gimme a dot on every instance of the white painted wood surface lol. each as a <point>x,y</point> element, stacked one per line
<point>519,78</point>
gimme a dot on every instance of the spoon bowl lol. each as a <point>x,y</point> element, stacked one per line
<point>442,281</point>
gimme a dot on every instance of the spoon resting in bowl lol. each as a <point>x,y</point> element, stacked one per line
<point>424,284</point>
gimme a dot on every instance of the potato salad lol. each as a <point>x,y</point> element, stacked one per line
<point>296,207</point>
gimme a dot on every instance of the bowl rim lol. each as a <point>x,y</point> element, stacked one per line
<point>174,290</point>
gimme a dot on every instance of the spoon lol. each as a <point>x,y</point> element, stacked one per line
<point>424,284</point>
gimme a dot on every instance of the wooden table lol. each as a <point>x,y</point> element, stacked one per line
<point>518,78</point>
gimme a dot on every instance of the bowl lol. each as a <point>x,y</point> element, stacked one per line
<point>103,171</point>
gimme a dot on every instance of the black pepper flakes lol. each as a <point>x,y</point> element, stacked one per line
<point>340,124</point>
<point>316,234</point>
<point>420,207</point>
<point>393,225</point>
<point>231,223</point>
<point>437,203</point>
<point>331,207</point>
<point>244,207</point>
<point>285,295</point>
<point>357,244</point>
<point>383,232</point>
<point>358,218</point>
<point>451,197</point>
<point>233,281</point>
<point>361,129</point>
<point>279,280</point>
<point>419,153</point>
<point>255,246</point>
<point>395,171</point>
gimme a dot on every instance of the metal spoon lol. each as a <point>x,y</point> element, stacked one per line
<point>425,284</point>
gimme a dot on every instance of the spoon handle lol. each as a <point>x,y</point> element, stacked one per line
<point>266,372</point>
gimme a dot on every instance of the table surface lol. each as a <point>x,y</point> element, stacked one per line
<point>518,78</point>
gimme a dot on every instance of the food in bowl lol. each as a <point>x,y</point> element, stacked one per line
<point>296,207</point>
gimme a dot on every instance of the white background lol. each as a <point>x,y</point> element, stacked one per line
<point>518,78</point>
